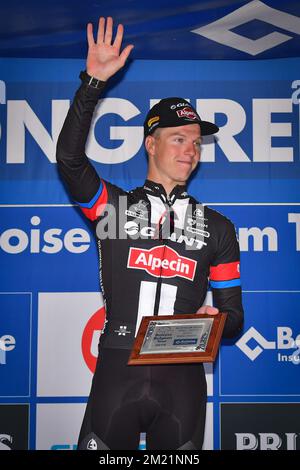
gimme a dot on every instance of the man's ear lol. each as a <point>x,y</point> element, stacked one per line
<point>150,145</point>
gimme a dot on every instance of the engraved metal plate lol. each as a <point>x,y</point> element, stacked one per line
<point>165,336</point>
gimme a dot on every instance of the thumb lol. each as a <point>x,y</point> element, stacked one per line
<point>125,53</point>
<point>208,310</point>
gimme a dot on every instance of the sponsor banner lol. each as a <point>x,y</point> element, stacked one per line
<point>47,248</point>
<point>258,120</point>
<point>208,443</point>
<point>14,427</point>
<point>58,240</point>
<point>232,30</point>
<point>269,239</point>
<point>260,426</point>
<point>58,425</point>
<point>15,344</point>
<point>68,336</point>
<point>267,353</point>
<point>66,365</point>
<point>49,251</point>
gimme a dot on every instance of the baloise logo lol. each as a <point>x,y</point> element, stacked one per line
<point>285,341</point>
<point>14,241</point>
<point>7,343</point>
<point>222,30</point>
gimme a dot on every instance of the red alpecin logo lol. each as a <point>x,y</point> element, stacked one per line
<point>162,261</point>
<point>187,113</point>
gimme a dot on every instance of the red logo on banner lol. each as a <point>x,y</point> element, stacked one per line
<point>187,113</point>
<point>90,337</point>
<point>162,261</point>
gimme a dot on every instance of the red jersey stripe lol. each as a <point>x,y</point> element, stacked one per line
<point>94,212</point>
<point>225,272</point>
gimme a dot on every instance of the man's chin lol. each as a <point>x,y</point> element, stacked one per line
<point>182,179</point>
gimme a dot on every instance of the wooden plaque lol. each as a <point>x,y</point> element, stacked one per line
<point>172,339</point>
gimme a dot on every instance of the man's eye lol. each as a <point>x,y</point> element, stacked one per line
<point>179,139</point>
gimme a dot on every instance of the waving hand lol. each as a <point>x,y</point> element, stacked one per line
<point>104,57</point>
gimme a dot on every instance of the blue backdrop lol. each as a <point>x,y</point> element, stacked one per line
<point>250,173</point>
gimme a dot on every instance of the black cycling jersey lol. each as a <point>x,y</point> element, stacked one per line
<point>157,254</point>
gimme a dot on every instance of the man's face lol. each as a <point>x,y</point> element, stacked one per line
<point>174,152</point>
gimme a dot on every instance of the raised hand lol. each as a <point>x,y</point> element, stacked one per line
<point>104,58</point>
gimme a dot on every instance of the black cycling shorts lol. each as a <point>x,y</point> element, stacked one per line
<point>167,402</point>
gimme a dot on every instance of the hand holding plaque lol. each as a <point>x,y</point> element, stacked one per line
<point>171,339</point>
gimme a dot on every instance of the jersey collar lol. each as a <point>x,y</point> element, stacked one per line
<point>157,189</point>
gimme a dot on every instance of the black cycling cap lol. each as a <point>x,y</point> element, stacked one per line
<point>174,112</point>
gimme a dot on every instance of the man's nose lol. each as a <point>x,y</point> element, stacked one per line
<point>190,149</point>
